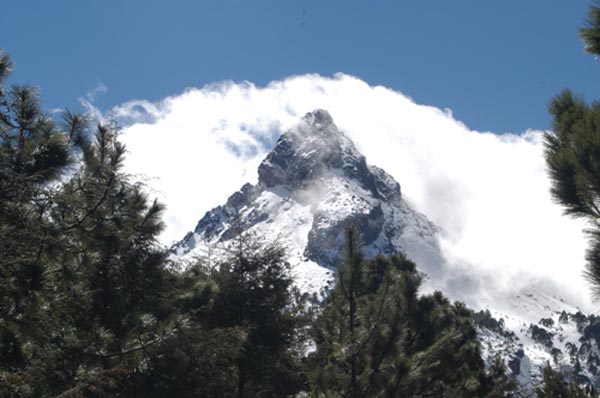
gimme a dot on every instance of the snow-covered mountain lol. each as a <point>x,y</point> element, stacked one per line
<point>311,185</point>
<point>315,182</point>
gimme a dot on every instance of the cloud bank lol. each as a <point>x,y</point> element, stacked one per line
<point>489,193</point>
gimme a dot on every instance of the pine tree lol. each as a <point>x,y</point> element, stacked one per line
<point>89,306</point>
<point>199,359</point>
<point>86,295</point>
<point>573,154</point>
<point>254,294</point>
<point>500,385</point>
<point>590,33</point>
<point>112,290</point>
<point>377,338</point>
<point>554,385</point>
<point>35,152</point>
<point>573,157</point>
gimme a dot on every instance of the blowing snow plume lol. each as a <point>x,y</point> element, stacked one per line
<point>488,193</point>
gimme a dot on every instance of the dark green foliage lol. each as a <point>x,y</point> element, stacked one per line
<point>590,33</point>
<point>553,385</point>
<point>376,337</point>
<point>99,284</point>
<point>547,322</point>
<point>34,153</point>
<point>573,154</point>
<point>573,157</point>
<point>194,360</point>
<point>110,232</point>
<point>499,384</point>
<point>111,289</point>
<point>590,329</point>
<point>89,306</point>
<point>85,292</point>
<point>580,320</point>
<point>484,320</point>
<point>541,335</point>
<point>255,295</point>
<point>236,333</point>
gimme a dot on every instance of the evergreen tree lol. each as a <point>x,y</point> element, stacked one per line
<point>573,157</point>
<point>198,359</point>
<point>86,295</point>
<point>236,335</point>
<point>573,154</point>
<point>590,33</point>
<point>553,385</point>
<point>35,152</point>
<point>377,338</point>
<point>89,306</point>
<point>500,385</point>
<point>112,290</point>
<point>255,295</point>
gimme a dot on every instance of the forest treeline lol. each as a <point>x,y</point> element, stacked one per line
<point>92,306</point>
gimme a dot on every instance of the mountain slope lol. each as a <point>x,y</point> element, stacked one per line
<point>314,182</point>
<point>311,185</point>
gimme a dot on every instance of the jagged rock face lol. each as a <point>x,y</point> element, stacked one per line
<point>306,160</point>
<point>315,148</point>
<point>325,238</point>
<point>311,186</point>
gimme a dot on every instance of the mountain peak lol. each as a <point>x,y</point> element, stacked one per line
<point>312,185</point>
<point>318,116</point>
<point>315,182</point>
<point>314,150</point>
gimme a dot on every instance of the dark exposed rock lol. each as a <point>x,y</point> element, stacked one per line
<point>324,243</point>
<point>316,147</point>
<point>514,362</point>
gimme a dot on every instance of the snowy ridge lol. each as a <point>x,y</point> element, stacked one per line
<point>315,182</point>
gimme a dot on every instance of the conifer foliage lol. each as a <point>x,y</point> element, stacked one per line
<point>573,157</point>
<point>573,154</point>
<point>590,33</point>
<point>554,385</point>
<point>84,283</point>
<point>34,153</point>
<point>90,306</point>
<point>377,338</point>
<point>111,279</point>
<point>255,294</point>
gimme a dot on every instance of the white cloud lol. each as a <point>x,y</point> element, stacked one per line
<point>488,192</point>
<point>88,101</point>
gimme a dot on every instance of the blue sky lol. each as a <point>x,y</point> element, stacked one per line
<point>494,64</point>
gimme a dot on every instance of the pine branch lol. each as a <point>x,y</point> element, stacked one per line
<point>91,211</point>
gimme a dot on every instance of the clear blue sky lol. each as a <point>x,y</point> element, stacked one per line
<point>496,64</point>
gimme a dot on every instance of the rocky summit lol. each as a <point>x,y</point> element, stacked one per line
<point>311,186</point>
<point>315,182</point>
